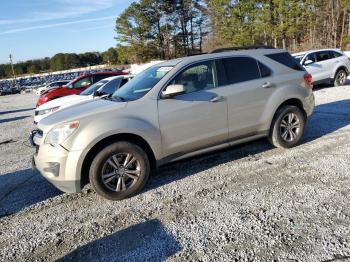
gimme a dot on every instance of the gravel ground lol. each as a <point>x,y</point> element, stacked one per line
<point>247,203</point>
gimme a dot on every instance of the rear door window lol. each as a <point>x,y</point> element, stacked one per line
<point>286,59</point>
<point>323,56</point>
<point>240,69</point>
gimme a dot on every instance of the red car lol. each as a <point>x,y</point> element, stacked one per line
<point>75,86</point>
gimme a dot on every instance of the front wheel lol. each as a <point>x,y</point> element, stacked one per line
<point>120,170</point>
<point>287,127</point>
<point>340,78</point>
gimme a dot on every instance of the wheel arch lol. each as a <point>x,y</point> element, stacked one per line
<point>128,137</point>
<point>290,102</point>
<point>342,67</point>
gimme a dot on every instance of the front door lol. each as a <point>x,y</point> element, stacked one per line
<point>197,118</point>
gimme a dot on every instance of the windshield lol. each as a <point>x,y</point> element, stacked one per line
<point>93,88</point>
<point>142,83</point>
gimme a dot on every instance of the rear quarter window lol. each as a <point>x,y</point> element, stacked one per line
<point>286,59</point>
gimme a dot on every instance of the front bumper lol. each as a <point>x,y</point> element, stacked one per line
<point>57,165</point>
<point>65,186</point>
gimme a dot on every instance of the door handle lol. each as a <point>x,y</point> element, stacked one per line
<point>267,85</point>
<point>217,99</point>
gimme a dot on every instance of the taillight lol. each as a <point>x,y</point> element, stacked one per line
<point>308,80</point>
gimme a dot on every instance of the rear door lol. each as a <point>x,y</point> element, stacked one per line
<point>197,118</point>
<point>249,86</point>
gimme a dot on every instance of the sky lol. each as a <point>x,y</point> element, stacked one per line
<point>31,29</point>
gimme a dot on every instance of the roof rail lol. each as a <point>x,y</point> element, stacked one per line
<point>219,50</point>
<point>194,54</point>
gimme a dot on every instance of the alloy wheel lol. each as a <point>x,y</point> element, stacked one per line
<point>120,172</point>
<point>341,78</point>
<point>290,127</point>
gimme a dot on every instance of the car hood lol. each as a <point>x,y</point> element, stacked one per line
<point>52,89</point>
<point>79,112</point>
<point>64,101</point>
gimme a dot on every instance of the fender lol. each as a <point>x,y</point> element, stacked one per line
<point>341,66</point>
<point>126,125</point>
<point>281,95</point>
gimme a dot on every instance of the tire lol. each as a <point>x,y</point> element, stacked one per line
<point>281,124</point>
<point>115,177</point>
<point>340,78</point>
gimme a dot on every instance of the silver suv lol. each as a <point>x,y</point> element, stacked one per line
<point>325,65</point>
<point>173,110</point>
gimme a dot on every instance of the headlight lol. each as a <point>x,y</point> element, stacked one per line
<point>49,110</point>
<point>59,134</point>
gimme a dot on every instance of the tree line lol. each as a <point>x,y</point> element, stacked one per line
<point>166,29</point>
<point>61,61</point>
<point>172,28</point>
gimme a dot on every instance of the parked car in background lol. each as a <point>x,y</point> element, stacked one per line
<point>104,87</point>
<point>9,90</point>
<point>42,89</point>
<point>4,91</point>
<point>173,110</point>
<point>326,65</point>
<point>75,86</point>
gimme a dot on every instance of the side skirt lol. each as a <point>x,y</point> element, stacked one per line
<point>233,142</point>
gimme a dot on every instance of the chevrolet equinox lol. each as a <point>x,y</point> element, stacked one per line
<point>173,110</point>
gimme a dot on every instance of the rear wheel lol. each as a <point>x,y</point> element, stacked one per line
<point>120,170</point>
<point>287,127</point>
<point>340,78</point>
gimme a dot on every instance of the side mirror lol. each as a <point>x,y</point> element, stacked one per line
<point>173,90</point>
<point>308,62</point>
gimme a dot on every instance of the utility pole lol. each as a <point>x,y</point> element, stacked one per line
<point>13,70</point>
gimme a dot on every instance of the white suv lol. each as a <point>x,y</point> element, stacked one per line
<point>326,65</point>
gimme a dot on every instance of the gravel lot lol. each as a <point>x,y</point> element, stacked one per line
<point>248,203</point>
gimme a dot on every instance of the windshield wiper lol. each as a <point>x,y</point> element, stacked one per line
<point>119,98</point>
